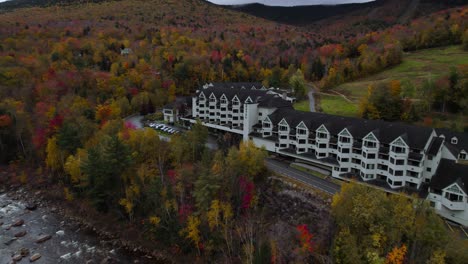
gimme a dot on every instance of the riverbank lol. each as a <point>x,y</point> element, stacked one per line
<point>77,233</point>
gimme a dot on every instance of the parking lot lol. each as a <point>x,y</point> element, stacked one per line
<point>165,128</point>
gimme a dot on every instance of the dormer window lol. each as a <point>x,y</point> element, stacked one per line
<point>283,128</point>
<point>398,149</point>
<point>235,101</point>
<point>345,139</point>
<point>462,155</point>
<point>454,140</point>
<point>301,131</point>
<point>212,98</point>
<point>370,144</point>
<point>321,135</point>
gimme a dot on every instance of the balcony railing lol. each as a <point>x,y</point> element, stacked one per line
<point>453,205</point>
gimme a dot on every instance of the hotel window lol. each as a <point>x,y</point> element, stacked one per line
<point>283,128</point>
<point>345,160</point>
<point>284,137</point>
<point>321,135</point>
<point>345,139</point>
<point>398,183</point>
<point>345,150</point>
<point>453,197</point>
<point>400,162</point>
<point>370,166</point>
<point>301,131</point>
<point>398,149</point>
<point>370,144</point>
<point>398,173</point>
<point>322,145</point>
<point>266,124</point>
<point>301,150</point>
<point>302,141</point>
<point>223,101</point>
<point>370,155</point>
<point>283,145</point>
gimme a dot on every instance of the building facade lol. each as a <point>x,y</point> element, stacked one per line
<point>391,155</point>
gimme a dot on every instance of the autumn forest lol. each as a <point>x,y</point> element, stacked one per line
<point>71,72</point>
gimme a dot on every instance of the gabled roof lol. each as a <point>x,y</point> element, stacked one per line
<point>435,145</point>
<point>448,173</point>
<point>414,136</point>
<point>244,91</point>
<point>462,140</point>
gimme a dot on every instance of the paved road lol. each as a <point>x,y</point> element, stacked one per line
<point>310,94</point>
<point>316,182</point>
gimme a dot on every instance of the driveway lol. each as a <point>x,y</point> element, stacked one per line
<point>311,180</point>
<point>310,94</point>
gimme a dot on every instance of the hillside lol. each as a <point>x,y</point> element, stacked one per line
<point>416,68</point>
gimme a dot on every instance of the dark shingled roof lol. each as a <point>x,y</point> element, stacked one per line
<point>462,139</point>
<point>448,173</point>
<point>235,89</point>
<point>415,136</point>
<point>434,148</point>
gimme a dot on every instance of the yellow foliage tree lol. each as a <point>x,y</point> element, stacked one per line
<point>53,159</point>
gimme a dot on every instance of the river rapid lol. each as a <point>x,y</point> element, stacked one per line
<point>23,226</point>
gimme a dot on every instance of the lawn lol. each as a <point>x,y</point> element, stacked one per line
<point>302,106</point>
<point>415,68</point>
<point>337,105</point>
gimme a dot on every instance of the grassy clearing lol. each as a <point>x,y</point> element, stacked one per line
<point>302,106</point>
<point>337,105</point>
<point>413,71</point>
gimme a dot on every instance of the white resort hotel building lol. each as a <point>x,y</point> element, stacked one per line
<point>391,155</point>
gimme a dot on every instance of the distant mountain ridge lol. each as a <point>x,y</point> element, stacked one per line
<point>305,15</point>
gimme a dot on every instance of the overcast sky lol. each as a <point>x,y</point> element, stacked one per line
<point>283,2</point>
<point>288,2</point>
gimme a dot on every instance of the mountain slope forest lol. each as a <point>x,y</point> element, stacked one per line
<point>70,72</point>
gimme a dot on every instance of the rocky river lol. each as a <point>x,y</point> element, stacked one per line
<point>30,232</point>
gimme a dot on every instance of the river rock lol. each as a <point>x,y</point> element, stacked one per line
<point>43,238</point>
<point>17,257</point>
<point>60,233</point>
<point>31,206</point>
<point>18,222</point>
<point>35,257</point>
<point>20,234</point>
<point>24,252</point>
